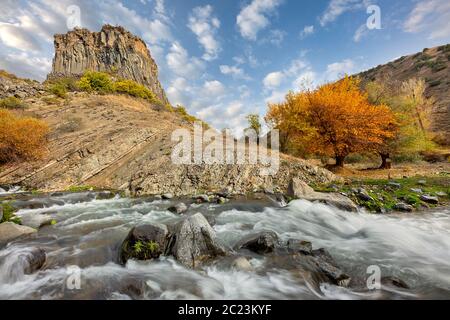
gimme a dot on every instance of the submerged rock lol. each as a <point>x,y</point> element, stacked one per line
<point>299,246</point>
<point>167,196</point>
<point>194,241</point>
<point>242,264</point>
<point>403,207</point>
<point>35,220</point>
<point>394,282</point>
<point>429,199</point>
<point>144,242</point>
<point>35,259</point>
<point>203,198</point>
<point>326,264</point>
<point>179,208</point>
<point>301,190</point>
<point>10,231</point>
<point>263,242</point>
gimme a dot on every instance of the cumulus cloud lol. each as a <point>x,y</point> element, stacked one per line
<point>254,17</point>
<point>273,80</point>
<point>361,32</point>
<point>181,64</point>
<point>338,7</point>
<point>275,37</point>
<point>214,88</point>
<point>430,16</point>
<point>204,25</point>
<point>339,69</point>
<point>234,71</point>
<point>307,31</point>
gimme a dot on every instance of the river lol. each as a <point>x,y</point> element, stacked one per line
<point>89,231</point>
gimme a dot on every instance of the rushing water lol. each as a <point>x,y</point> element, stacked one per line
<point>89,231</point>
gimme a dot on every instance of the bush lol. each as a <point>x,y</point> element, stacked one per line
<point>134,89</point>
<point>11,103</point>
<point>58,90</point>
<point>93,81</point>
<point>21,138</point>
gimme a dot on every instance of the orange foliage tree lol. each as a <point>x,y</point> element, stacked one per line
<point>21,138</point>
<point>336,120</point>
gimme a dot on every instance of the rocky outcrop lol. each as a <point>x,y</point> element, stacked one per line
<point>12,86</point>
<point>300,190</point>
<point>113,50</point>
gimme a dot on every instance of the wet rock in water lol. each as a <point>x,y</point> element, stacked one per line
<point>1,213</point>
<point>194,241</point>
<point>326,264</point>
<point>394,282</point>
<point>203,198</point>
<point>242,264</point>
<point>363,195</point>
<point>10,231</point>
<point>35,259</point>
<point>221,200</point>
<point>104,195</point>
<point>144,242</point>
<point>394,185</point>
<point>419,191</point>
<point>157,197</point>
<point>179,208</point>
<point>299,246</point>
<point>167,196</point>
<point>300,189</point>
<point>35,220</point>
<point>429,199</point>
<point>403,207</point>
<point>225,193</point>
<point>263,242</point>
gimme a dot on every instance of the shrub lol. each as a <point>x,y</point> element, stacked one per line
<point>58,90</point>
<point>11,103</point>
<point>134,89</point>
<point>93,81</point>
<point>50,100</point>
<point>21,138</point>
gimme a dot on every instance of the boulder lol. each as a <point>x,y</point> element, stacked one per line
<point>363,195</point>
<point>429,199</point>
<point>394,282</point>
<point>419,191</point>
<point>194,241</point>
<point>326,265</point>
<point>300,190</point>
<point>242,264</point>
<point>10,231</point>
<point>395,185</point>
<point>422,182</point>
<point>144,242</point>
<point>261,243</point>
<point>34,260</point>
<point>203,198</point>
<point>167,196</point>
<point>179,208</point>
<point>403,207</point>
<point>35,220</point>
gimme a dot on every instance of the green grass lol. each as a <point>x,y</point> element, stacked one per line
<point>12,103</point>
<point>145,250</point>
<point>385,197</point>
<point>80,188</point>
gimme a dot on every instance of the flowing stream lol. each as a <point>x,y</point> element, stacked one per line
<point>89,231</point>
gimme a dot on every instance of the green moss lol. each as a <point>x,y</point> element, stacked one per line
<point>8,214</point>
<point>80,188</point>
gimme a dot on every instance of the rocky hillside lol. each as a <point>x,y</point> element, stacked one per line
<point>122,143</point>
<point>113,50</point>
<point>432,65</point>
<point>12,86</point>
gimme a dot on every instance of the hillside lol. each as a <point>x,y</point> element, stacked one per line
<point>432,65</point>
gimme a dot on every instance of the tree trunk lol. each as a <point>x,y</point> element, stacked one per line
<point>386,162</point>
<point>340,161</point>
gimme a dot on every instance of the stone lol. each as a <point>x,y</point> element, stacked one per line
<point>242,264</point>
<point>1,213</point>
<point>300,189</point>
<point>167,196</point>
<point>179,208</point>
<point>419,191</point>
<point>299,246</point>
<point>394,282</point>
<point>403,207</point>
<point>261,243</point>
<point>113,49</point>
<point>203,198</point>
<point>221,200</point>
<point>422,182</point>
<point>326,265</point>
<point>441,194</point>
<point>394,185</point>
<point>363,195</point>
<point>34,260</point>
<point>194,242</point>
<point>35,220</point>
<point>10,231</point>
<point>429,199</point>
<point>145,242</point>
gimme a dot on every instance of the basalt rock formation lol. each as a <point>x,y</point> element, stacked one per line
<point>113,50</point>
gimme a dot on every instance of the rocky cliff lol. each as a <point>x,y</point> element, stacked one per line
<point>432,65</point>
<point>112,50</point>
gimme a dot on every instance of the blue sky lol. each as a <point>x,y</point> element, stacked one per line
<point>225,59</point>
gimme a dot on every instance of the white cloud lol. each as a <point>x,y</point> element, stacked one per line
<point>234,108</point>
<point>214,88</point>
<point>253,17</point>
<point>234,71</point>
<point>273,80</point>
<point>338,7</point>
<point>274,37</point>
<point>307,31</point>
<point>361,32</point>
<point>25,65</point>
<point>430,16</point>
<point>306,80</point>
<point>17,38</point>
<point>181,64</point>
<point>339,69</point>
<point>204,25</point>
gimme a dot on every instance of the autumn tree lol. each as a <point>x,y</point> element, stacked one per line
<point>411,108</point>
<point>254,123</point>
<point>336,119</point>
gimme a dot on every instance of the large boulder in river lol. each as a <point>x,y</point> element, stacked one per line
<point>263,242</point>
<point>10,231</point>
<point>33,260</point>
<point>194,241</point>
<point>144,242</point>
<point>301,190</point>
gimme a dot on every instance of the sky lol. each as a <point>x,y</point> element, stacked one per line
<point>225,59</point>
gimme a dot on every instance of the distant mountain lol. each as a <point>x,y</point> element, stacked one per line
<point>432,65</point>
